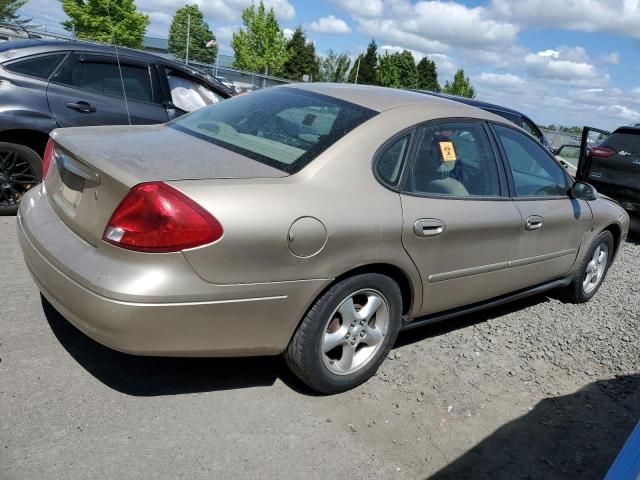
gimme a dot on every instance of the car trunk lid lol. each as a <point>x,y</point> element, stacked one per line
<point>95,167</point>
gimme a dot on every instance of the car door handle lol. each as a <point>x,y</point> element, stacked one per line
<point>428,227</point>
<point>83,107</point>
<point>534,222</point>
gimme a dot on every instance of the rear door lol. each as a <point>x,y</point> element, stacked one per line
<point>612,164</point>
<point>458,223</point>
<point>89,89</point>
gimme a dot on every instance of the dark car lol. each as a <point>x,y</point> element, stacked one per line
<point>612,165</point>
<point>513,116</point>
<point>50,84</point>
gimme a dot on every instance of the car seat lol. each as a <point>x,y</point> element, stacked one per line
<point>432,174</point>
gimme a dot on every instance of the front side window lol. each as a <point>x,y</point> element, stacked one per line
<point>454,159</point>
<point>282,127</point>
<point>41,66</point>
<point>104,78</point>
<point>189,95</point>
<point>534,172</point>
<point>529,127</point>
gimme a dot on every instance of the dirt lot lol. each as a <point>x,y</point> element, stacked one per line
<point>537,389</point>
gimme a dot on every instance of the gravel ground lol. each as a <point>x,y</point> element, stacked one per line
<point>537,389</point>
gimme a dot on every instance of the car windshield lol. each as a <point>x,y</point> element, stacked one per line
<point>285,128</point>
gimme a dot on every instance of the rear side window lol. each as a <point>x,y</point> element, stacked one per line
<point>285,128</point>
<point>628,141</point>
<point>41,66</point>
<point>104,78</point>
<point>389,164</point>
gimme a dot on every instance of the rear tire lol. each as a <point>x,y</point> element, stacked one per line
<point>20,170</point>
<point>346,334</point>
<point>593,269</point>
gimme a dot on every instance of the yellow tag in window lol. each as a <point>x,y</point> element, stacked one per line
<point>448,151</point>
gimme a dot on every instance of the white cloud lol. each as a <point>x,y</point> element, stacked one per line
<point>612,58</point>
<point>288,33</point>
<point>431,25</point>
<point>506,81</point>
<point>613,16</point>
<point>329,24</point>
<point>565,64</point>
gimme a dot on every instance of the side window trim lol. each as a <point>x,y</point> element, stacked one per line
<point>65,55</point>
<point>502,177</point>
<point>78,57</point>
<point>507,166</point>
<point>411,132</point>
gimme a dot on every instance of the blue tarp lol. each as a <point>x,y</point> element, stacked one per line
<point>627,465</point>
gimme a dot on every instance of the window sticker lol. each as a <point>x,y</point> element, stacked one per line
<point>448,151</point>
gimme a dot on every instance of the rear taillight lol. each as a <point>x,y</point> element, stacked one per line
<point>602,152</point>
<point>47,158</point>
<point>155,217</point>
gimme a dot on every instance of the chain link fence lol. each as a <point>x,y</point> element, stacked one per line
<point>240,80</point>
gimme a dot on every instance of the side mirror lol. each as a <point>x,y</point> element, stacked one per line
<point>583,191</point>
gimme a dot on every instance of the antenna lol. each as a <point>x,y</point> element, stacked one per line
<point>115,46</point>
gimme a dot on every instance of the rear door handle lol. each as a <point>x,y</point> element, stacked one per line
<point>83,107</point>
<point>534,222</point>
<point>428,227</point>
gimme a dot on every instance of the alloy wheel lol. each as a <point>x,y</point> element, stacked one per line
<point>16,177</point>
<point>596,268</point>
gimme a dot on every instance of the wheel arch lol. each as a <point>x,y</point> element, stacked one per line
<point>34,139</point>
<point>616,231</point>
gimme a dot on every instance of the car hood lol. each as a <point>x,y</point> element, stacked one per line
<point>156,153</point>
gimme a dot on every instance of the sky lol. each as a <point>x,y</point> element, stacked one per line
<point>562,62</point>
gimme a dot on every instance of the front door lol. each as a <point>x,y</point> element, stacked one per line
<point>89,90</point>
<point>553,224</point>
<point>458,225</point>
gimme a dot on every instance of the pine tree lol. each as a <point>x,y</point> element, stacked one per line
<point>106,21</point>
<point>367,74</point>
<point>428,75</point>
<point>460,86</point>
<point>260,46</point>
<point>301,57</point>
<point>190,18</point>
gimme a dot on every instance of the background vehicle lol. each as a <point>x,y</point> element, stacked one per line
<point>50,84</point>
<point>612,164</point>
<point>313,219</point>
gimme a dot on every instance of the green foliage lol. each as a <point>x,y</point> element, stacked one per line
<point>260,46</point>
<point>334,67</point>
<point>460,86</point>
<point>397,70</point>
<point>9,9</point>
<point>366,66</point>
<point>199,35</point>
<point>106,21</point>
<point>301,57</point>
<point>428,75</point>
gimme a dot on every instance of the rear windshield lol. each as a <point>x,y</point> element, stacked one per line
<point>627,140</point>
<point>285,128</point>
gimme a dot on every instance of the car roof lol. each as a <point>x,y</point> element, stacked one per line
<point>382,98</point>
<point>634,130</point>
<point>36,46</point>
<point>473,102</point>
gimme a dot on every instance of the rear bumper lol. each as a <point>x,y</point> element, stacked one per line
<point>132,316</point>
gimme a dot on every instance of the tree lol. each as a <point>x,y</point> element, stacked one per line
<point>334,67</point>
<point>106,21</point>
<point>428,75</point>
<point>397,70</point>
<point>190,18</point>
<point>460,86</point>
<point>9,11</point>
<point>260,46</point>
<point>301,57</point>
<point>366,66</point>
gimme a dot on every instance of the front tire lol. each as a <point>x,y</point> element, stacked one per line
<point>346,334</point>
<point>593,269</point>
<point>20,170</point>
